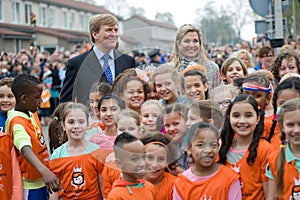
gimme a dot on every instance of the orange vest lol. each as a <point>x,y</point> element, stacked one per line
<point>78,176</point>
<point>216,187</point>
<point>38,143</point>
<point>291,179</point>
<point>252,177</point>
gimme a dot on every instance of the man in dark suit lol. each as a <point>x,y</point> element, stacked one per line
<point>102,63</point>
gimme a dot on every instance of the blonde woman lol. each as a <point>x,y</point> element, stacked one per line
<point>189,50</point>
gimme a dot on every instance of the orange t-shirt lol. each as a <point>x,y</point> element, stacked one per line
<point>38,142</point>
<point>79,176</point>
<point>10,173</point>
<point>110,174</point>
<point>123,190</point>
<point>291,178</point>
<point>252,177</point>
<point>164,190</point>
<point>216,187</point>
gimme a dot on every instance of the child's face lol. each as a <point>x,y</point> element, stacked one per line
<point>194,88</point>
<point>132,162</point>
<point>166,87</point>
<point>234,71</point>
<point>149,114</point>
<point>288,66</point>
<point>291,126</point>
<point>204,149</point>
<point>151,93</point>
<point>33,100</point>
<point>129,125</point>
<point>75,124</point>
<point>244,58</point>
<point>7,99</point>
<point>193,117</point>
<point>175,126</point>
<point>108,109</point>
<point>94,99</point>
<point>285,95</point>
<point>262,98</point>
<point>156,161</point>
<point>134,95</point>
<point>223,99</point>
<point>243,119</point>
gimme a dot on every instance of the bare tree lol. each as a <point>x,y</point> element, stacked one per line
<point>165,17</point>
<point>241,14</point>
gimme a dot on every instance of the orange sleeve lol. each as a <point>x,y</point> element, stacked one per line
<point>17,187</point>
<point>109,175</point>
<point>267,149</point>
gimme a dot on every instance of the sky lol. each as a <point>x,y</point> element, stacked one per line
<point>183,11</point>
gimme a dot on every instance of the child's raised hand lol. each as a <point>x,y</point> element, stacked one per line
<point>51,181</point>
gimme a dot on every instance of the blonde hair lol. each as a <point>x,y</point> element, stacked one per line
<point>223,88</point>
<point>181,32</point>
<point>128,113</point>
<point>97,21</point>
<point>153,102</point>
<point>175,76</point>
<point>245,52</point>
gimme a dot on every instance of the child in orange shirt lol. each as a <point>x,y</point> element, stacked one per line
<point>159,153</point>
<point>23,125</point>
<point>260,89</point>
<point>206,179</point>
<point>242,147</point>
<point>45,106</point>
<point>127,121</point>
<point>130,158</point>
<point>283,167</point>
<point>74,162</point>
<point>287,89</point>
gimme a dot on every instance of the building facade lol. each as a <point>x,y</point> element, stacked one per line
<point>60,24</point>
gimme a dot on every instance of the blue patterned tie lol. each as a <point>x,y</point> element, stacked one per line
<point>106,69</point>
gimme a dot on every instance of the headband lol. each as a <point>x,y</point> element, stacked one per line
<point>159,143</point>
<point>247,86</point>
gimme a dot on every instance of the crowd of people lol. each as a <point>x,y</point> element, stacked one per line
<point>200,123</point>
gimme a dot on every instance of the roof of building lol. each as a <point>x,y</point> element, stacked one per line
<point>77,5</point>
<point>153,22</point>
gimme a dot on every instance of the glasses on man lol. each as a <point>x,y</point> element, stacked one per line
<point>268,56</point>
<point>225,102</point>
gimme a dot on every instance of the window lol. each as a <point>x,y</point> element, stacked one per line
<point>16,12</point>
<point>88,16</point>
<point>64,18</point>
<point>1,10</point>
<point>82,21</point>
<point>28,10</point>
<point>43,15</point>
<point>52,17</point>
<point>72,20</point>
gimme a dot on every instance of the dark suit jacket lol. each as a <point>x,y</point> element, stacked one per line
<point>84,70</point>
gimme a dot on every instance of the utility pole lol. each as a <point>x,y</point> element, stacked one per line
<point>278,19</point>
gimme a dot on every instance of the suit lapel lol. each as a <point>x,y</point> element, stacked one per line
<point>89,72</point>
